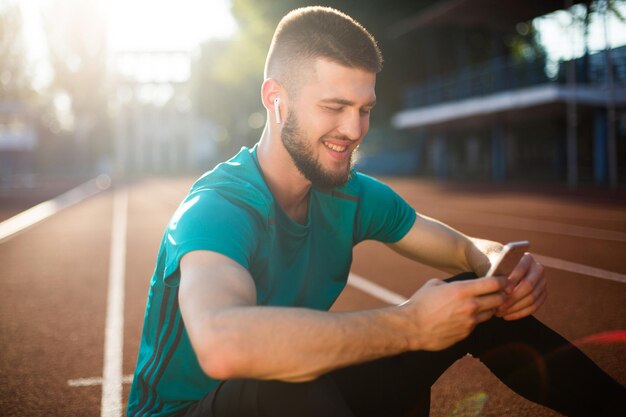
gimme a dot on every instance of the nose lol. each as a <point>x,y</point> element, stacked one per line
<point>351,126</point>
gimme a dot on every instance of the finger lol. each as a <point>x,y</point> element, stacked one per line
<point>526,286</point>
<point>523,302</point>
<point>518,273</point>
<point>526,267</point>
<point>485,285</point>
<point>490,301</point>
<point>485,315</point>
<point>528,310</point>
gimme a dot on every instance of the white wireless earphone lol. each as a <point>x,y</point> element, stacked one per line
<point>277,110</point>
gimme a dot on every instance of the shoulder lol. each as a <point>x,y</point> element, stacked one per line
<point>207,220</point>
<point>236,183</point>
<point>382,214</point>
<point>207,212</point>
<point>364,186</point>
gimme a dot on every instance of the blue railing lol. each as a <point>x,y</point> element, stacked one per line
<point>596,72</point>
<point>503,74</point>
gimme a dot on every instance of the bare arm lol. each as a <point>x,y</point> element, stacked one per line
<point>438,245</point>
<point>234,338</point>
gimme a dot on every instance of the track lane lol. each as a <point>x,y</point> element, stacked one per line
<point>51,312</point>
<point>55,293</point>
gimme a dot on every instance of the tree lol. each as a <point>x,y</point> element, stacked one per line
<point>593,9</point>
<point>76,35</point>
<point>15,84</point>
<point>227,76</point>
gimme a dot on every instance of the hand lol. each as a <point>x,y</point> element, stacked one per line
<point>444,313</point>
<point>526,290</point>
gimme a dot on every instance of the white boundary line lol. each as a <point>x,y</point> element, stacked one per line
<point>114,331</point>
<point>375,290</point>
<point>42,211</point>
<point>580,268</point>
<point>95,380</point>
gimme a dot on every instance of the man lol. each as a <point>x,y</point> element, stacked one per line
<point>237,321</point>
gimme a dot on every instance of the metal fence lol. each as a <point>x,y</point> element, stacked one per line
<point>505,74</point>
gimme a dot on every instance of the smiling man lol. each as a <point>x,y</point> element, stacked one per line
<point>237,321</point>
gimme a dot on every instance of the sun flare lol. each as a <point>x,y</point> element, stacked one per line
<point>165,24</point>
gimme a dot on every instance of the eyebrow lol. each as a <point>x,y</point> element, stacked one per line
<point>345,102</point>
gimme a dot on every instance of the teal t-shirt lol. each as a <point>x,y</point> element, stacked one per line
<point>231,210</point>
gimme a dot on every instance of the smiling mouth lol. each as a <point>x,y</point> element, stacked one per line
<point>336,148</point>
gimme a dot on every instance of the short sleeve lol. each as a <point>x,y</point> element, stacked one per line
<point>382,214</point>
<point>208,221</point>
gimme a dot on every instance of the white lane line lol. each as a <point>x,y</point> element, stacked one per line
<point>111,405</point>
<point>533,225</point>
<point>375,290</point>
<point>580,268</point>
<point>42,211</point>
<point>95,380</point>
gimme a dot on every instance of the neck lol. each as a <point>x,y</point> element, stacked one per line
<point>289,187</point>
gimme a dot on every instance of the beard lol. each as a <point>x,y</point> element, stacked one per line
<point>301,152</point>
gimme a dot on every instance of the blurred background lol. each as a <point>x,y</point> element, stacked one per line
<point>472,90</point>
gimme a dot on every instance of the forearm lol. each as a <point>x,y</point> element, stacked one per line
<point>436,244</point>
<point>295,344</point>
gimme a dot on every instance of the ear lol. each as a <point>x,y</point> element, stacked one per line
<point>271,90</point>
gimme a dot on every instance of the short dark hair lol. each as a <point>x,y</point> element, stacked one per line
<point>308,33</point>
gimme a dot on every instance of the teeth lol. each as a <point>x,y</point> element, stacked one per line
<point>335,148</point>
